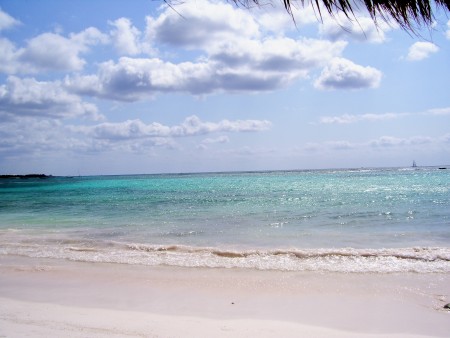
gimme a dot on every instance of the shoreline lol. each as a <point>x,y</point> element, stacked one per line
<point>42,297</point>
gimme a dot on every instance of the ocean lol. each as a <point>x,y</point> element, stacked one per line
<point>353,221</point>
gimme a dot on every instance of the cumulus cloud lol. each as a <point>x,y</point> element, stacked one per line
<point>7,21</point>
<point>191,126</point>
<point>236,56</point>
<point>9,62</point>
<point>278,54</point>
<point>275,19</point>
<point>208,141</point>
<point>233,37</point>
<point>344,74</point>
<point>29,97</point>
<point>362,29</point>
<point>220,139</point>
<point>127,38</point>
<point>421,50</point>
<point>207,23</point>
<point>253,66</point>
<point>31,135</point>
<point>131,79</point>
<point>49,52</point>
<point>250,151</point>
<point>349,118</point>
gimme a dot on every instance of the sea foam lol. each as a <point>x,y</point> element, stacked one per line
<point>348,260</point>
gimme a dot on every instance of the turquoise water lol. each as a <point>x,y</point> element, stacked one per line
<point>380,220</point>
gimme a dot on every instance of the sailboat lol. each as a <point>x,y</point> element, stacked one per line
<point>414,165</point>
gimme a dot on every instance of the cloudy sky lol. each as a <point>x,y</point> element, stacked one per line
<point>115,87</point>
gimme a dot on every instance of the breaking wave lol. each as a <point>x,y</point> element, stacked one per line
<point>347,260</point>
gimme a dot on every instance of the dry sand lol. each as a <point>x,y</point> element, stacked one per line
<point>54,298</point>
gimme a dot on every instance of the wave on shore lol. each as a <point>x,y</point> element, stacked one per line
<point>347,260</point>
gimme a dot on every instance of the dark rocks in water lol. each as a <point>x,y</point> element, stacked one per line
<point>25,176</point>
<point>447,306</point>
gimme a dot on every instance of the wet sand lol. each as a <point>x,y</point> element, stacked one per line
<point>45,298</point>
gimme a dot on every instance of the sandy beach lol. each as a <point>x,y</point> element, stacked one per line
<point>50,298</point>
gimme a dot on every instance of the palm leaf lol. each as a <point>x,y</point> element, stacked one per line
<point>407,13</point>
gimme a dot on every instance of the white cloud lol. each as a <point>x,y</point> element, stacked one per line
<point>233,36</point>
<point>131,79</point>
<point>191,126</point>
<point>220,139</point>
<point>7,21</point>
<point>49,52</point>
<point>362,29</point>
<point>388,141</point>
<point>438,111</point>
<point>8,57</point>
<point>446,138</point>
<point>252,66</point>
<point>89,37</point>
<point>208,141</point>
<point>129,129</point>
<point>127,38</point>
<point>29,97</point>
<point>350,118</point>
<point>344,74</point>
<point>383,142</point>
<point>391,141</point>
<point>250,151</point>
<point>31,135</point>
<point>421,50</point>
<point>312,147</point>
<point>236,57</point>
<point>278,54</point>
<point>340,145</point>
<point>274,18</point>
<point>206,23</point>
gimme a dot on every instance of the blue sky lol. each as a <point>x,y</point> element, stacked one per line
<point>114,87</point>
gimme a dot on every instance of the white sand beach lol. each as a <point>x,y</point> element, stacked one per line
<point>55,298</point>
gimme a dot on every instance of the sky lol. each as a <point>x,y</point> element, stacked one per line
<point>116,87</point>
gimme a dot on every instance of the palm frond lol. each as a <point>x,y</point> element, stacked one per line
<point>406,13</point>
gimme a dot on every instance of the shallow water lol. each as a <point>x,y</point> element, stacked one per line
<point>378,220</point>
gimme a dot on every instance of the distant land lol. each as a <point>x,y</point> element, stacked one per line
<point>25,176</point>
